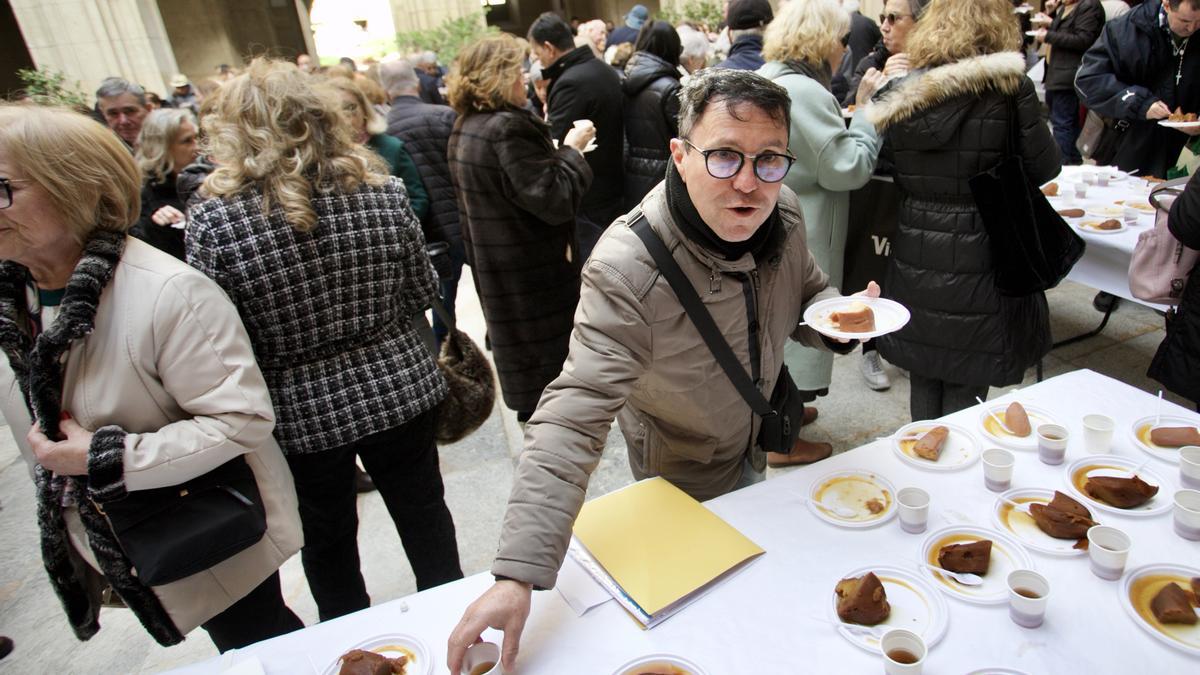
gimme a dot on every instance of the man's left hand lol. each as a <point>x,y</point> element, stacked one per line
<point>871,291</point>
<point>67,457</point>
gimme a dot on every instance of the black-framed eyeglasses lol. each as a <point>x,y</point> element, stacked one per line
<point>723,163</point>
<point>6,198</point>
<point>891,18</point>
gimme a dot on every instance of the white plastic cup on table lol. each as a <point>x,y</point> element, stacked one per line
<point>1081,190</point>
<point>1098,433</point>
<point>914,509</point>
<point>997,469</point>
<point>482,658</point>
<point>1187,514</point>
<point>1028,592</point>
<point>903,652</point>
<point>1089,175</point>
<point>1052,443</point>
<point>1108,549</point>
<point>1131,215</point>
<point>1189,467</point>
<point>1102,178</point>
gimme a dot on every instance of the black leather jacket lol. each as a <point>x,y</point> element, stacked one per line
<point>651,111</point>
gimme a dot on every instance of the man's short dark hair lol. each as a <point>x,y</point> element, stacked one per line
<point>1174,4</point>
<point>549,27</point>
<point>734,87</point>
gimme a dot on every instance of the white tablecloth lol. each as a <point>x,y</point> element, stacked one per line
<point>756,621</point>
<point>1105,264</point>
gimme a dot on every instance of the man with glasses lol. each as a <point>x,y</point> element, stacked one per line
<point>738,236</point>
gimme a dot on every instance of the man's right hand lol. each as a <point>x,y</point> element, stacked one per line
<point>505,606</point>
<point>896,66</point>
<point>1158,111</point>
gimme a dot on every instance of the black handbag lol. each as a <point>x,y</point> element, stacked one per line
<point>1033,248</point>
<point>174,532</point>
<point>1101,137</point>
<point>470,379</point>
<point>782,415</point>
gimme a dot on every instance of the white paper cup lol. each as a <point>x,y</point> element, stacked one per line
<point>1187,514</point>
<point>1130,214</point>
<point>913,505</point>
<point>1081,190</point>
<point>1024,610</point>
<point>1088,176</point>
<point>997,469</point>
<point>1102,179</point>
<point>1108,549</point>
<point>1189,467</point>
<point>903,652</point>
<point>1052,443</point>
<point>480,655</point>
<point>1098,433</point>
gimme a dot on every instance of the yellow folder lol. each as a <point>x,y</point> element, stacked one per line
<point>659,544</point>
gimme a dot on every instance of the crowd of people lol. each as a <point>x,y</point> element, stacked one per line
<point>269,306</point>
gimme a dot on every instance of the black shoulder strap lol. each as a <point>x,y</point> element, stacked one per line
<point>700,317</point>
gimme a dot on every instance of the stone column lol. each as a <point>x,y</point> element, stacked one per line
<point>93,39</point>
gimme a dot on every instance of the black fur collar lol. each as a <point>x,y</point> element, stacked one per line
<point>36,364</point>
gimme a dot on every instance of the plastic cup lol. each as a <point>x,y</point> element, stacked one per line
<point>1088,176</point>
<point>1098,433</point>
<point>1108,549</point>
<point>1130,214</point>
<point>482,658</point>
<point>1027,595</point>
<point>1187,514</point>
<point>1052,443</point>
<point>997,469</point>
<point>903,652</point>
<point>1189,467</point>
<point>1081,189</point>
<point>1102,179</point>
<point>914,509</point>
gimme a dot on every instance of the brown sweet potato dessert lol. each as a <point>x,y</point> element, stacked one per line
<point>1123,493</point>
<point>1172,605</point>
<point>1071,213</point>
<point>930,445</point>
<point>1175,437</point>
<point>1017,420</point>
<point>862,600</point>
<point>972,558</point>
<point>1062,518</point>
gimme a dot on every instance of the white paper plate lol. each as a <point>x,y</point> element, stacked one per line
<point>1106,212</point>
<point>993,431</point>
<point>635,666</point>
<point>997,671</point>
<point>1179,636</point>
<point>392,645</point>
<point>1179,125</point>
<point>851,489</point>
<point>890,316</point>
<point>1021,526</point>
<point>1113,465</point>
<point>1088,226</point>
<point>1140,434</point>
<point>1141,206</point>
<point>1007,555</point>
<point>916,606</point>
<point>960,451</point>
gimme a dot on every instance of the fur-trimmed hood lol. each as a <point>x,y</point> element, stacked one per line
<point>922,90</point>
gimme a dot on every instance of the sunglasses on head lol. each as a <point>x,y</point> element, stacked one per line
<point>891,18</point>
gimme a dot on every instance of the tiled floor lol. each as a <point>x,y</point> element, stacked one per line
<point>477,474</point>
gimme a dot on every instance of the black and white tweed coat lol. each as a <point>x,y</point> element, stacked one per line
<point>328,311</point>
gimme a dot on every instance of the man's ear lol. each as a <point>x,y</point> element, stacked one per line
<point>678,149</point>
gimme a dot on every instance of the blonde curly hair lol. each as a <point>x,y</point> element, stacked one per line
<point>159,132</point>
<point>270,130</point>
<point>805,30</point>
<point>953,30</point>
<point>482,76</point>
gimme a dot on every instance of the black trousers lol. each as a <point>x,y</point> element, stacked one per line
<point>403,463</point>
<point>930,398</point>
<point>260,615</point>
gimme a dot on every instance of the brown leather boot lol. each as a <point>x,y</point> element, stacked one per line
<point>803,452</point>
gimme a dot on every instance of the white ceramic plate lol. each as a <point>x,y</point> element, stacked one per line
<point>1089,226</point>
<point>1106,212</point>
<point>1179,125</point>
<point>890,316</point>
<point>1021,526</point>
<point>1141,582</point>
<point>636,665</point>
<point>993,431</point>
<point>1007,555</point>
<point>1140,433</point>
<point>1113,465</point>
<point>392,645</point>
<point>916,606</point>
<point>960,451</point>
<point>852,489</point>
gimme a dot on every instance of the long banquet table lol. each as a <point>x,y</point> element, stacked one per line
<point>758,620</point>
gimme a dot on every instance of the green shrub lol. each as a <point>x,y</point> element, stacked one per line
<point>707,12</point>
<point>448,38</point>
<point>47,86</point>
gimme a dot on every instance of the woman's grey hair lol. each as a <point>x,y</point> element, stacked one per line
<point>734,87</point>
<point>115,86</point>
<point>398,76</point>
<point>159,132</point>
<point>916,7</point>
<point>695,43</point>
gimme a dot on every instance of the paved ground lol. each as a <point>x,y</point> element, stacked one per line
<point>477,473</point>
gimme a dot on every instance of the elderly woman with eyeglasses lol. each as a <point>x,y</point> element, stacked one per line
<point>898,18</point>
<point>803,45</point>
<point>124,371</point>
<point>517,200</point>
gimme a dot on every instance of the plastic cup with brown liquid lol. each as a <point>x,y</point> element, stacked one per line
<point>903,652</point>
